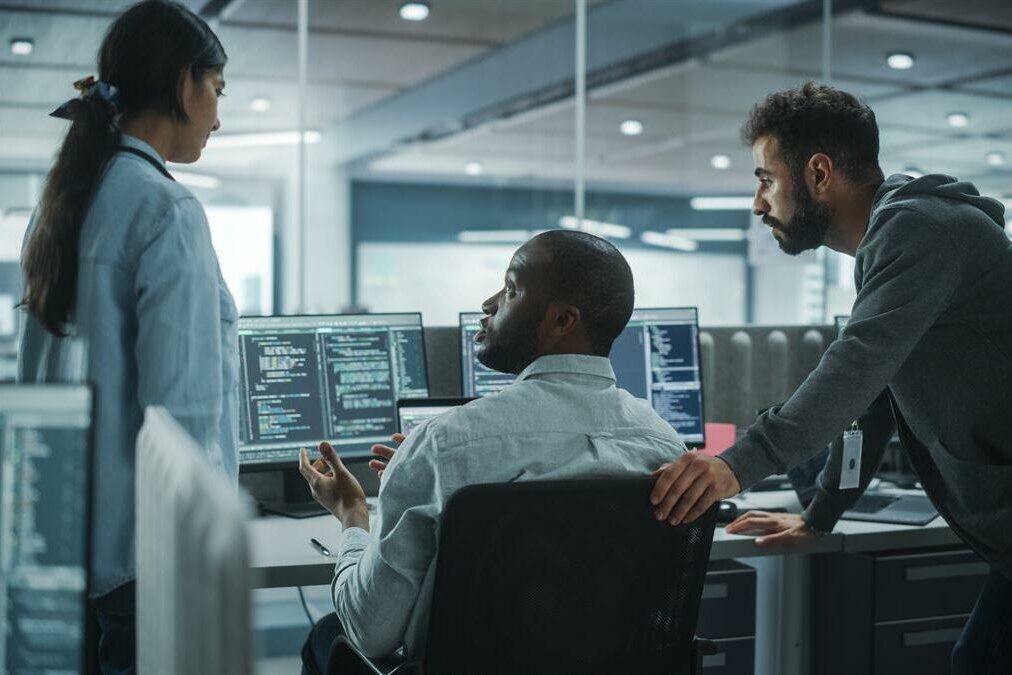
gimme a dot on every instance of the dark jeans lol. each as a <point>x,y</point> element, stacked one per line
<point>117,640</point>
<point>316,651</point>
<point>985,647</point>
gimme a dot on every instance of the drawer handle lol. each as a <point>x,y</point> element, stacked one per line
<point>711,591</point>
<point>926,572</point>
<point>715,661</point>
<point>931,637</point>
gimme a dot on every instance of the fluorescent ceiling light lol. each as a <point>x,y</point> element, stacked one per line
<point>720,162</point>
<point>493,236</point>
<point>260,104</point>
<point>995,158</point>
<point>260,139</point>
<point>668,241</point>
<point>196,179</point>
<point>912,172</point>
<point>958,119</point>
<point>473,168</point>
<point>722,203</point>
<point>22,46</point>
<point>900,60</point>
<point>415,11</point>
<point>631,128</point>
<point>708,233</point>
<point>594,227</point>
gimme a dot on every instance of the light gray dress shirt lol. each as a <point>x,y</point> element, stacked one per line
<point>563,417</point>
<point>154,324</point>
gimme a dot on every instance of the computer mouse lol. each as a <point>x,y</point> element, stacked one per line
<point>726,512</point>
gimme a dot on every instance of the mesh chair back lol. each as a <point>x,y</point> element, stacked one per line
<point>565,577</point>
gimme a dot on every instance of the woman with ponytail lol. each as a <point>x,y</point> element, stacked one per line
<point>122,285</point>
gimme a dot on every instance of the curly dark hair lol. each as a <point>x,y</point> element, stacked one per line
<point>816,118</point>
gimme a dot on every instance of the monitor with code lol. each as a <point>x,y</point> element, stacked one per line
<point>337,378</point>
<point>45,506</point>
<point>656,357</point>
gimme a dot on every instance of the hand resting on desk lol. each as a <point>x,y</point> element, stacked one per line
<point>785,530</point>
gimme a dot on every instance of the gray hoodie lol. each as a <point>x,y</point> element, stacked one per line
<point>931,326</point>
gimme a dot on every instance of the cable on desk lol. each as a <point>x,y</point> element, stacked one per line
<point>305,606</point>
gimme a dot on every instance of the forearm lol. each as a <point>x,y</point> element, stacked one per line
<point>830,501</point>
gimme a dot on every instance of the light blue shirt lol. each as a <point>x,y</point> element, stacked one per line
<point>563,417</point>
<point>154,324</point>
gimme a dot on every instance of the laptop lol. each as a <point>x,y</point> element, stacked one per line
<point>412,412</point>
<point>893,508</point>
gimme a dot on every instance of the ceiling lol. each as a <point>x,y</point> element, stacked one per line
<point>366,65</point>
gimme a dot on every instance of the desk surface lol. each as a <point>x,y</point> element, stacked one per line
<point>282,556</point>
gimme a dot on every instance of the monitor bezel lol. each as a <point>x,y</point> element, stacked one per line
<point>88,665</point>
<point>263,467</point>
<point>699,353</point>
<point>440,401</point>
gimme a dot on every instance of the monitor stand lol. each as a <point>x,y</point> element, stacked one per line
<point>296,501</point>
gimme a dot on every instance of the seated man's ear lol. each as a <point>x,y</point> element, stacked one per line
<point>561,319</point>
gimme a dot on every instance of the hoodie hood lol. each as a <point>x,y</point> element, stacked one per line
<point>899,187</point>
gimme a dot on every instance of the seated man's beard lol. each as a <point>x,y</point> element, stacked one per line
<point>806,230</point>
<point>513,347</point>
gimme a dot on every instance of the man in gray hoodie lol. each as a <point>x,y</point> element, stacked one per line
<point>930,336</point>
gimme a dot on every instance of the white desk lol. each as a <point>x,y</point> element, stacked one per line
<point>282,556</point>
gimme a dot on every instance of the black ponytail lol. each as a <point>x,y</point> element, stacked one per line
<point>143,54</point>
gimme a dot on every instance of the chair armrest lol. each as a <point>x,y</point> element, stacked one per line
<point>347,659</point>
<point>701,647</point>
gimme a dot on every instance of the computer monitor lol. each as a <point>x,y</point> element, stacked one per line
<point>413,412</point>
<point>45,526</point>
<point>478,379</point>
<point>656,357</point>
<point>335,378</point>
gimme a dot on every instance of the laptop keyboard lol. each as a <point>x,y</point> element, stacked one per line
<point>873,503</point>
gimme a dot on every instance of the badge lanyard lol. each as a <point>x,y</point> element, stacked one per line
<point>149,159</point>
<point>850,471</point>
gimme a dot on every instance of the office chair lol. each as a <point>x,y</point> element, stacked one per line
<point>560,577</point>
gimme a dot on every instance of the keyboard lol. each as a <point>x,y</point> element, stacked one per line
<point>873,503</point>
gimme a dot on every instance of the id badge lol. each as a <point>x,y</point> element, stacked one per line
<point>850,471</point>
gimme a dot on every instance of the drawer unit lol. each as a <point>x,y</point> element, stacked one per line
<point>927,643</point>
<point>881,612</point>
<point>728,606</point>
<point>927,584</point>
<point>735,656</point>
<point>727,616</point>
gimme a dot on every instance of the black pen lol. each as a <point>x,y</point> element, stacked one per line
<point>320,548</point>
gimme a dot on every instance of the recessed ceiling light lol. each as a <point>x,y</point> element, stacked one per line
<point>22,46</point>
<point>631,128</point>
<point>415,11</point>
<point>473,168</point>
<point>912,172</point>
<point>900,60</point>
<point>957,119</point>
<point>720,162</point>
<point>995,158</point>
<point>260,104</point>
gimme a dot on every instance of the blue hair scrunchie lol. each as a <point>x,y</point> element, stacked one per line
<point>90,89</point>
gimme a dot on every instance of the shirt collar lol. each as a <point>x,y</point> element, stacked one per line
<point>576,364</point>
<point>138,144</point>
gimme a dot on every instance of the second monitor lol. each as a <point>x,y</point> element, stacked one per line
<point>307,379</point>
<point>656,357</point>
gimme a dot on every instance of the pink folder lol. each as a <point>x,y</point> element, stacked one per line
<point>719,437</point>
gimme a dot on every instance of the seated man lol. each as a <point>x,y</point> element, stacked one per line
<point>567,296</point>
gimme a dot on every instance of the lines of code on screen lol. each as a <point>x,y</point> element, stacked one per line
<point>308,379</point>
<point>43,547</point>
